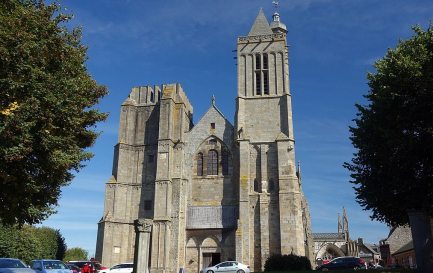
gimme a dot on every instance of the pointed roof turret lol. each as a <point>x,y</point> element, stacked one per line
<point>260,26</point>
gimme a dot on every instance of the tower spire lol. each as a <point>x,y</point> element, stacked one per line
<point>260,26</point>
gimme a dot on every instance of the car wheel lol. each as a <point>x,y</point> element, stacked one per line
<point>240,271</point>
<point>209,271</point>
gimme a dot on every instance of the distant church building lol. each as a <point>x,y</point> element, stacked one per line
<point>332,245</point>
<point>198,194</point>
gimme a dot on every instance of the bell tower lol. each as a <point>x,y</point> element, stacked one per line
<point>270,194</point>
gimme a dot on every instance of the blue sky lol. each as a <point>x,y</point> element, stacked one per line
<point>333,44</point>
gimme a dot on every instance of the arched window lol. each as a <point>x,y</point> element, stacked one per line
<point>256,185</point>
<point>212,162</point>
<point>200,164</point>
<point>225,162</point>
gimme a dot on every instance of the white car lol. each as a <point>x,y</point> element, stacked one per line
<point>227,267</point>
<point>119,268</point>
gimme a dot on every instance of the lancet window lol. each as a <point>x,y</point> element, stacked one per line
<point>212,163</point>
<point>261,74</point>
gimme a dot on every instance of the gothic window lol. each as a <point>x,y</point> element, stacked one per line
<point>212,141</point>
<point>225,162</point>
<point>256,185</point>
<point>200,164</point>
<point>262,74</point>
<point>212,162</point>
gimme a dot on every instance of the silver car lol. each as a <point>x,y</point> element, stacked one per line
<point>227,267</point>
<point>50,266</point>
<point>10,265</point>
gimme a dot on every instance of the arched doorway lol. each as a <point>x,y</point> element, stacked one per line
<point>327,252</point>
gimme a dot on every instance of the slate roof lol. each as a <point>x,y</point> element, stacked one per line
<point>405,248</point>
<point>328,236</point>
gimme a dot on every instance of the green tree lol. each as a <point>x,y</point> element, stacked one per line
<point>75,254</point>
<point>47,108</point>
<point>21,243</point>
<point>52,243</point>
<point>392,169</point>
<point>29,243</point>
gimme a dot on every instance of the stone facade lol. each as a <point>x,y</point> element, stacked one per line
<point>213,191</point>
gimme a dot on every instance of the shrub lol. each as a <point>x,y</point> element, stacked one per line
<point>279,262</point>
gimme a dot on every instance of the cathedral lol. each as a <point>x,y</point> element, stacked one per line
<point>184,196</point>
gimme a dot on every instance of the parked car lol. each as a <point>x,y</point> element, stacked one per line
<point>227,267</point>
<point>74,268</point>
<point>340,263</point>
<point>119,268</point>
<point>49,266</point>
<point>88,266</point>
<point>10,265</point>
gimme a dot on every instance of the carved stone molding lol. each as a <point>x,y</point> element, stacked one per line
<point>143,225</point>
<point>162,182</point>
<point>130,147</point>
<point>262,37</point>
<point>163,147</point>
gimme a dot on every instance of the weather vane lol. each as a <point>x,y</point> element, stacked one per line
<point>276,4</point>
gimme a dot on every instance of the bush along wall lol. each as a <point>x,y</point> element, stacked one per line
<point>279,262</point>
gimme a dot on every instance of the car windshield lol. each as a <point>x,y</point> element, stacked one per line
<point>54,265</point>
<point>10,263</point>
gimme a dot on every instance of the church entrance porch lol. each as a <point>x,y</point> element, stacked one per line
<point>211,259</point>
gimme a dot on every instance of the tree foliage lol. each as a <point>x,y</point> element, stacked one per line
<point>76,254</point>
<point>29,243</point>
<point>47,108</point>
<point>392,169</point>
<point>289,262</point>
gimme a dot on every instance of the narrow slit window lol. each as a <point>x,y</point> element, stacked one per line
<point>152,96</point>
<point>212,125</point>
<point>256,185</point>
<point>271,185</point>
<point>159,95</point>
<point>200,164</point>
<point>147,204</point>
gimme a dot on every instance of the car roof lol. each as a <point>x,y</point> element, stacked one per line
<point>48,260</point>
